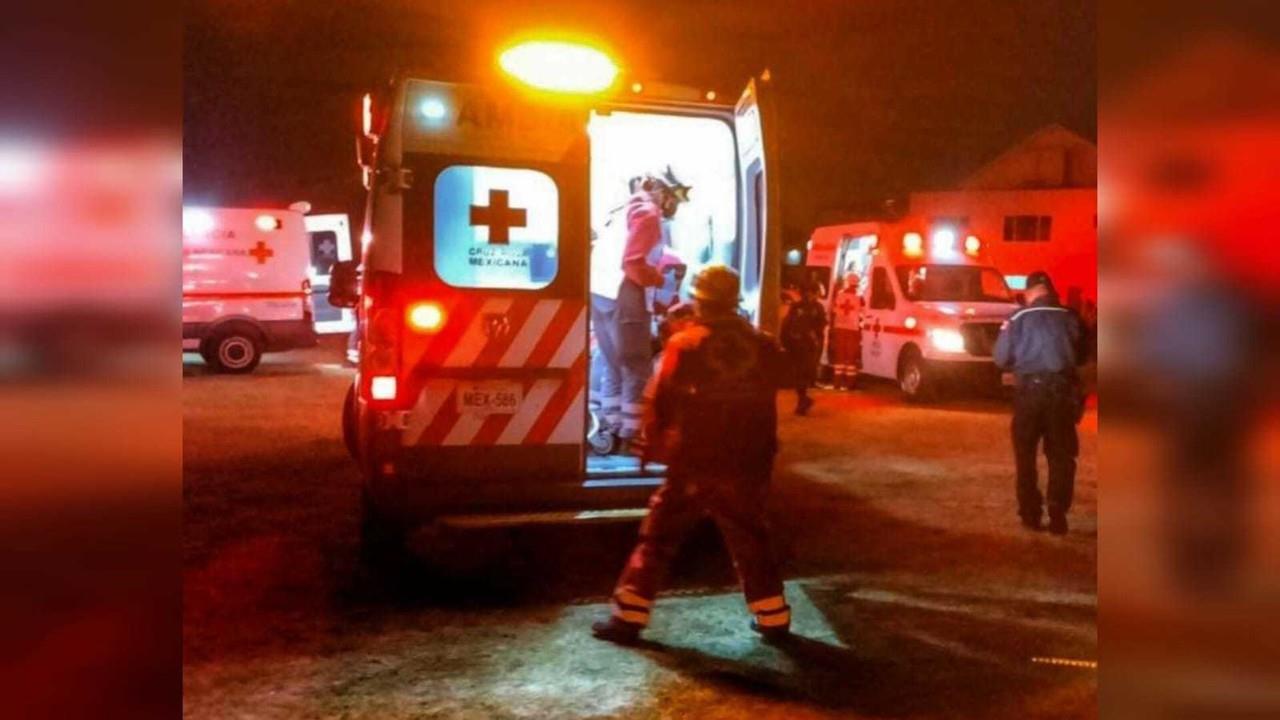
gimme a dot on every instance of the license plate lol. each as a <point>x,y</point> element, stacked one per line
<point>489,398</point>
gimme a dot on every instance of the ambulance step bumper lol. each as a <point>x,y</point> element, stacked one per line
<point>542,518</point>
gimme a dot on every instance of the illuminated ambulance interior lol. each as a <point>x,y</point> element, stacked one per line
<point>702,154</point>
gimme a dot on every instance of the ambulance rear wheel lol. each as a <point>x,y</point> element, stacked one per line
<point>234,350</point>
<point>914,379</point>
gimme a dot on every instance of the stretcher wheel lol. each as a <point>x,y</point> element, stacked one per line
<point>600,439</point>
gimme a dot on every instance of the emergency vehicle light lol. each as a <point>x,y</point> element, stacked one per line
<point>912,244</point>
<point>944,242</point>
<point>366,114</point>
<point>972,245</point>
<point>559,66</point>
<point>383,387</point>
<point>433,108</point>
<point>425,317</point>
<point>196,221</point>
<point>267,223</point>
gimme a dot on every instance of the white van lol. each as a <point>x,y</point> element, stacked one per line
<point>932,306</point>
<point>246,285</point>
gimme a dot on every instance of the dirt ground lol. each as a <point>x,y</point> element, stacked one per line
<point>915,591</point>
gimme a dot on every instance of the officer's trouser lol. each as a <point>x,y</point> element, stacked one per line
<point>605,366</point>
<point>1045,407</point>
<point>635,354</point>
<point>736,505</point>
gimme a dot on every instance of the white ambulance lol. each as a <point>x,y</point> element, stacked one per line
<point>246,285</point>
<point>470,401</point>
<point>932,306</point>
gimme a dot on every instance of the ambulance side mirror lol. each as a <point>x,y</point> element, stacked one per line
<point>344,284</point>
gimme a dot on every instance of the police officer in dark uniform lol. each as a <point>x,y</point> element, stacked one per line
<point>711,417</point>
<point>1041,345</point>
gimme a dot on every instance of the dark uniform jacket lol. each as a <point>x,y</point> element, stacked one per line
<point>712,405</point>
<point>802,328</point>
<point>1040,339</point>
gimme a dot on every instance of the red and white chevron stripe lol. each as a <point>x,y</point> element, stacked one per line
<point>541,333</point>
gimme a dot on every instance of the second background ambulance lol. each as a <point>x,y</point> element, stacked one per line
<point>931,305</point>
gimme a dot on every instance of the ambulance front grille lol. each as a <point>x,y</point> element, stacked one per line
<point>980,338</point>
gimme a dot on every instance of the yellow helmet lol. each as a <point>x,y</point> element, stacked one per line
<point>717,284</point>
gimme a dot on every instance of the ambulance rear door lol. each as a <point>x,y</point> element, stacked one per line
<point>761,221</point>
<point>495,248</point>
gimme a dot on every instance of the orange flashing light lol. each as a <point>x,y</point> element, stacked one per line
<point>972,245</point>
<point>383,387</point>
<point>267,223</point>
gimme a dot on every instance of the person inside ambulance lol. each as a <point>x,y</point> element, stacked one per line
<point>626,270</point>
<point>712,418</point>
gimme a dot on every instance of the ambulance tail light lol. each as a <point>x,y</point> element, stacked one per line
<point>972,246</point>
<point>382,387</point>
<point>383,330</point>
<point>425,317</point>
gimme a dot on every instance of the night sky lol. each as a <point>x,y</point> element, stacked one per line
<point>875,97</point>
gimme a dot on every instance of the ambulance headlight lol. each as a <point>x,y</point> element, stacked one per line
<point>946,340</point>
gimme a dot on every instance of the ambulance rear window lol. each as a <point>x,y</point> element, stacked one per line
<point>496,227</point>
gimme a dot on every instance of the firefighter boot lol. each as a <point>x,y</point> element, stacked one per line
<point>617,631</point>
<point>772,634</point>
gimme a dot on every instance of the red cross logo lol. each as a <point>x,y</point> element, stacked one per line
<point>498,216</point>
<point>261,252</point>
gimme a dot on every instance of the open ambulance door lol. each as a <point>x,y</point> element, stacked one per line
<point>761,221</point>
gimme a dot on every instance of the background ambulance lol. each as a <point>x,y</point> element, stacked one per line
<point>246,285</point>
<point>469,404</point>
<point>932,307</point>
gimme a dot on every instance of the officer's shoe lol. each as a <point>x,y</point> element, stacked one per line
<point>771,635</point>
<point>617,631</point>
<point>803,405</point>
<point>1032,522</point>
<point>1058,524</point>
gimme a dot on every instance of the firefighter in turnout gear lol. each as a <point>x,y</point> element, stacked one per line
<point>712,419</point>
<point>1041,344</point>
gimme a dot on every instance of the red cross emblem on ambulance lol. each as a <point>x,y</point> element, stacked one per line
<point>499,217</point>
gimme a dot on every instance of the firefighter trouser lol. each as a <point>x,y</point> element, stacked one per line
<point>736,505</point>
<point>634,343</point>
<point>1045,407</point>
<point>605,367</point>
